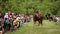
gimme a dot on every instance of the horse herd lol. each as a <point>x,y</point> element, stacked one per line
<point>12,21</point>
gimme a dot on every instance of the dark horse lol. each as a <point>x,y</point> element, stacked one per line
<point>37,17</point>
<point>49,17</point>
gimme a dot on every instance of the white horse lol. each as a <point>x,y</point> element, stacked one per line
<point>57,19</point>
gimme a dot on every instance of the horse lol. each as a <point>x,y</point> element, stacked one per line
<point>56,19</point>
<point>37,17</point>
<point>49,17</point>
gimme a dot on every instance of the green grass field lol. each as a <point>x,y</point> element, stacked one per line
<point>47,28</point>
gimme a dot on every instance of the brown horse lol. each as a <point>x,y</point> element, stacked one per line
<point>37,17</point>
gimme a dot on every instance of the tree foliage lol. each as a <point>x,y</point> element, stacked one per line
<point>19,6</point>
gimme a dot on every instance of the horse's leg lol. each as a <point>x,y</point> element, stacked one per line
<point>34,22</point>
<point>40,22</point>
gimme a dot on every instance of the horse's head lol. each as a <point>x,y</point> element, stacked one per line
<point>36,11</point>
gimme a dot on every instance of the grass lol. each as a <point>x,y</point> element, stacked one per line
<point>47,28</point>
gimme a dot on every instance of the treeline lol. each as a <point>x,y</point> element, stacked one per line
<point>28,6</point>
